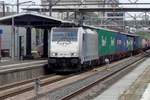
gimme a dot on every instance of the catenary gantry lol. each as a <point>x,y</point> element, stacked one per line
<point>92,9</point>
<point>33,20</point>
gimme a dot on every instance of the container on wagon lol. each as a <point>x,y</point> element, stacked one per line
<point>106,42</point>
<point>130,42</point>
<point>121,43</point>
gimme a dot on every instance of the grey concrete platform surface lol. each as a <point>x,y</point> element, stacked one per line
<point>19,70</point>
<point>140,89</point>
<point>9,61</point>
<point>116,90</point>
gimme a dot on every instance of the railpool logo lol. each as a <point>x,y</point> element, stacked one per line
<point>103,41</point>
<point>1,31</point>
<point>119,42</point>
<point>112,41</point>
<point>127,43</point>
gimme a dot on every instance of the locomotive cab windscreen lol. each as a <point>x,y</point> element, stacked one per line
<point>64,35</point>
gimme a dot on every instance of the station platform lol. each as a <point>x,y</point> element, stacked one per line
<point>131,87</point>
<point>9,61</point>
<point>12,71</point>
<point>7,64</point>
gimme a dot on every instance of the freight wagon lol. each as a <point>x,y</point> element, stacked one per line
<point>121,45</point>
<point>77,48</point>
<point>106,44</point>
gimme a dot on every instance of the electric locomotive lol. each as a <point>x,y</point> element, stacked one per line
<point>70,49</point>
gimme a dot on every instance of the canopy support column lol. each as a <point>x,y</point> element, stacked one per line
<point>45,43</point>
<point>28,42</point>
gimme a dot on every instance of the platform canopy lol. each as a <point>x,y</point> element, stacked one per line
<point>33,19</point>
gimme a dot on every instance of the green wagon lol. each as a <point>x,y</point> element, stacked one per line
<point>106,42</point>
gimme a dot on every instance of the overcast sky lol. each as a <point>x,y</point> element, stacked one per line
<point>139,1</point>
<point>38,1</point>
<point>14,1</point>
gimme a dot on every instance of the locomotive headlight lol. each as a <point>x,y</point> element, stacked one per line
<point>54,54</point>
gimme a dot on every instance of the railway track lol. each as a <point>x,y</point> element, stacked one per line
<point>25,86</point>
<point>71,87</point>
<point>8,86</point>
<point>103,80</point>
